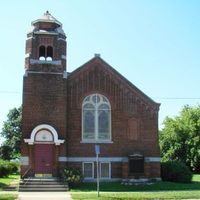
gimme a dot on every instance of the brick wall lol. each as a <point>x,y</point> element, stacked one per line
<point>125,103</point>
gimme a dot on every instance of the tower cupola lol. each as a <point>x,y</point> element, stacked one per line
<point>46,45</point>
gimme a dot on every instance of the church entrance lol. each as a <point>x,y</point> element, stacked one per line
<point>44,158</point>
<point>44,150</point>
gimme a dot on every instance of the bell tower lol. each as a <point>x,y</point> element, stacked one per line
<point>44,113</point>
<point>46,45</point>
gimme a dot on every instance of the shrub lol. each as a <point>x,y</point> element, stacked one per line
<point>8,167</point>
<point>175,171</point>
<point>14,166</point>
<point>5,168</point>
<point>72,176</point>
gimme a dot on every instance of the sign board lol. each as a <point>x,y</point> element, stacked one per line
<point>97,149</point>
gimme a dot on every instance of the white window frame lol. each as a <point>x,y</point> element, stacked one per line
<point>96,134</point>
<point>83,169</point>
<point>106,178</point>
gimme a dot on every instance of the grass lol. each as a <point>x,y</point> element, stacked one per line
<point>137,195</point>
<point>7,181</point>
<point>196,178</point>
<point>159,190</point>
<point>8,197</point>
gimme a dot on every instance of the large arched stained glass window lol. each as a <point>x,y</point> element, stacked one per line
<point>96,118</point>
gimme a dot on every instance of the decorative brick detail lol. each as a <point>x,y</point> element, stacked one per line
<point>133,129</point>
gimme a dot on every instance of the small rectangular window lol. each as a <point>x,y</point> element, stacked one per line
<point>88,170</point>
<point>105,170</point>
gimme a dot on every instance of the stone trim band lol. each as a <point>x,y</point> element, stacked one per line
<point>104,159</point>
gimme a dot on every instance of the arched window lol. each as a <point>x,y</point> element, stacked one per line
<point>49,53</point>
<point>42,53</point>
<point>96,118</point>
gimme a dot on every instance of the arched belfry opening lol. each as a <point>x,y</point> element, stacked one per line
<point>42,53</point>
<point>49,53</point>
<point>46,53</point>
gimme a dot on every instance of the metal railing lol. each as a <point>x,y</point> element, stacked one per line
<point>25,173</point>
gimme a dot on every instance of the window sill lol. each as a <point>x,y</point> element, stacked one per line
<point>96,142</point>
<point>105,178</point>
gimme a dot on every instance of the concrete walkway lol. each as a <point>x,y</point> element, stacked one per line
<point>44,196</point>
<point>8,192</point>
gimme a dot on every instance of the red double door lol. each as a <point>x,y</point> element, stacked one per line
<point>44,158</point>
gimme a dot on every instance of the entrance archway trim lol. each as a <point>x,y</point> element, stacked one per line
<point>31,140</point>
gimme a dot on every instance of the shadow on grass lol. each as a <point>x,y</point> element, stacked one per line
<point>117,187</point>
<point>6,181</point>
<point>2,185</point>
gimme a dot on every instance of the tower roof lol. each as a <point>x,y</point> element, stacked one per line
<point>47,17</point>
<point>46,24</point>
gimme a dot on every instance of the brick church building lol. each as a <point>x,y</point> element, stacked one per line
<point>65,114</point>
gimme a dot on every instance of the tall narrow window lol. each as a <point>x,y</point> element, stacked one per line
<point>49,53</point>
<point>88,170</point>
<point>103,121</point>
<point>42,53</point>
<point>88,121</point>
<point>105,169</point>
<point>96,118</point>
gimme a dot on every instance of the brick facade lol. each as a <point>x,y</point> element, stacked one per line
<point>51,97</point>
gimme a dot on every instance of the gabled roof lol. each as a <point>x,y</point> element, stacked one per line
<point>105,66</point>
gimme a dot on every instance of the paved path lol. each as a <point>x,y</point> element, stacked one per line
<point>9,192</point>
<point>44,196</point>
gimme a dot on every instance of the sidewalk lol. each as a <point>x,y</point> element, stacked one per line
<point>9,192</point>
<point>44,196</point>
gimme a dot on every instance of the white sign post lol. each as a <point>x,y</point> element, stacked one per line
<point>97,150</point>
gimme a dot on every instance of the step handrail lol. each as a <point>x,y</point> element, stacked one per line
<point>26,172</point>
<point>27,180</point>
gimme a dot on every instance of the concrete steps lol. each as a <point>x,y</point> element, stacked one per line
<point>33,184</point>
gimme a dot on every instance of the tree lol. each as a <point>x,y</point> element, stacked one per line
<point>180,138</point>
<point>11,131</point>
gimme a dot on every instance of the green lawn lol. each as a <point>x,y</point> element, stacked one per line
<point>8,180</point>
<point>160,190</point>
<point>7,196</point>
<point>4,182</point>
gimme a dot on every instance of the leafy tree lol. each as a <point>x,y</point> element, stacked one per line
<point>5,152</point>
<point>180,138</point>
<point>11,131</point>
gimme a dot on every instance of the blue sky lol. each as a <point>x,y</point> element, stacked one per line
<point>155,44</point>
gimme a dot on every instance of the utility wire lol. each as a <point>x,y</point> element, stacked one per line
<point>10,92</point>
<point>162,98</point>
<point>177,98</point>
